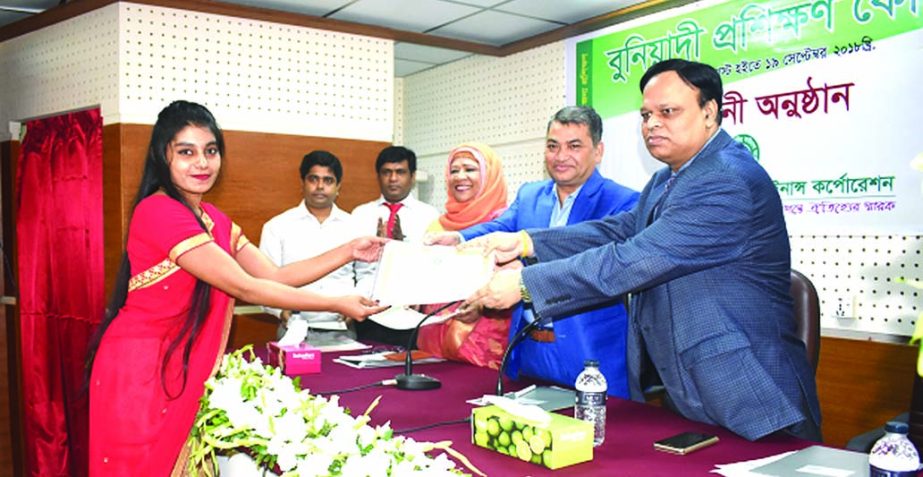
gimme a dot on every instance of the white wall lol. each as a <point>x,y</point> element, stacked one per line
<point>132,60</point>
<point>504,102</point>
<point>69,66</point>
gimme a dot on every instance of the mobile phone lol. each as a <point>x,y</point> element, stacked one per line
<point>685,442</point>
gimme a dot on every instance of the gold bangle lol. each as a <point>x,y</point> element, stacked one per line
<point>526,241</point>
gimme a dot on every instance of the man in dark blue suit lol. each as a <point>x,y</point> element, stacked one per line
<point>706,259</point>
<point>575,193</point>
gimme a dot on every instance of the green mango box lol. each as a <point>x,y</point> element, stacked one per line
<point>563,441</point>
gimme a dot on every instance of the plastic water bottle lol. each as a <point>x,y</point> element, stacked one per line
<point>894,455</point>
<point>591,399</point>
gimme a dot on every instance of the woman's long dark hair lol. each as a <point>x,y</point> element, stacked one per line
<point>156,177</point>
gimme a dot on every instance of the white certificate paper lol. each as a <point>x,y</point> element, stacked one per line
<point>414,274</point>
<point>403,318</point>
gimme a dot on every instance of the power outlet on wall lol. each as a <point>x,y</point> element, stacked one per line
<point>845,308</point>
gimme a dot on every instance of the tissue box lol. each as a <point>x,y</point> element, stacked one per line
<point>561,442</point>
<point>294,359</point>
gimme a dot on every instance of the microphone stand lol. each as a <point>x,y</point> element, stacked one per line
<point>512,344</point>
<point>417,382</point>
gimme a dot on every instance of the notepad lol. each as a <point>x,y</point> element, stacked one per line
<point>818,461</point>
<point>549,398</point>
<point>385,359</point>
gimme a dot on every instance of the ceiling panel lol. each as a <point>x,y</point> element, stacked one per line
<point>482,3</point>
<point>410,15</point>
<point>490,22</point>
<point>569,12</point>
<point>407,67</point>
<point>28,5</point>
<point>429,54</point>
<point>15,10</point>
<point>10,17</point>
<point>495,28</point>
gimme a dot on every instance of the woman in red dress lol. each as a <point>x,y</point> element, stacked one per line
<point>167,323</point>
<point>476,193</point>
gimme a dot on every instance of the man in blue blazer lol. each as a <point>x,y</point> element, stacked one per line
<point>706,259</point>
<point>575,193</point>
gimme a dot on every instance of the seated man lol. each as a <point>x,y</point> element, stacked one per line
<point>309,229</point>
<point>396,214</point>
<point>576,192</point>
<point>706,258</point>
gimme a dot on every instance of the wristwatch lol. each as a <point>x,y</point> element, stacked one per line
<point>524,292</point>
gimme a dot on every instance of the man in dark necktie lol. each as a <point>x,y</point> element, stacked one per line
<point>391,227</point>
<point>396,214</point>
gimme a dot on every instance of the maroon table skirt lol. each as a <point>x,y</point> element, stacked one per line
<point>631,427</point>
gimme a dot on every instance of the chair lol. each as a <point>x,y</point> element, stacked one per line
<point>807,315</point>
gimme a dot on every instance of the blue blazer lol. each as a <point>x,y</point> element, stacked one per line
<point>597,333</point>
<point>708,264</point>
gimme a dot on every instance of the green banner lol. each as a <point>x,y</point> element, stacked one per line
<point>740,39</point>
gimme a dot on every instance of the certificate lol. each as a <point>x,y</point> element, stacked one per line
<point>403,318</point>
<point>414,274</point>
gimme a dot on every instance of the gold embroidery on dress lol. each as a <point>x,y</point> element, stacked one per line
<point>209,223</point>
<point>235,234</point>
<point>238,239</point>
<point>189,244</point>
<point>168,266</point>
<point>152,275</point>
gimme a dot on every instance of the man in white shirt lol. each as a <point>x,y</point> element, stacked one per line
<point>309,229</point>
<point>396,214</point>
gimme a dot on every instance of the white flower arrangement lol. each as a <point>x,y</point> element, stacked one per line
<point>254,409</point>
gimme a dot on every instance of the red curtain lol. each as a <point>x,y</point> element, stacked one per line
<point>59,232</point>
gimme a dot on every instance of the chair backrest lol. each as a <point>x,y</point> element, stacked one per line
<point>807,315</point>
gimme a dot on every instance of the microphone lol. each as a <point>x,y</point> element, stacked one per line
<point>418,382</point>
<point>521,335</point>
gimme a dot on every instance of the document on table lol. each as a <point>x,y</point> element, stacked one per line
<point>744,468</point>
<point>385,359</point>
<point>414,274</point>
<point>549,398</point>
<point>819,461</point>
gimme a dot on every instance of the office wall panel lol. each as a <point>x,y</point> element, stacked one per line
<point>132,60</point>
<point>255,75</point>
<point>504,102</point>
<point>71,65</point>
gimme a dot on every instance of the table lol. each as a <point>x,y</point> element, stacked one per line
<point>631,427</point>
